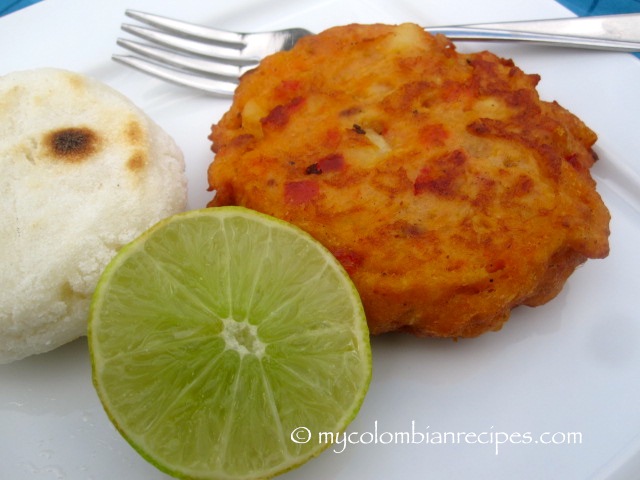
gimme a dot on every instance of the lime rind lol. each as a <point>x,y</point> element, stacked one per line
<point>259,354</point>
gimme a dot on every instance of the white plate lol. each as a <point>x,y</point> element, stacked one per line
<point>572,366</point>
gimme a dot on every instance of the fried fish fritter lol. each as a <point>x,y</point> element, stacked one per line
<point>448,190</point>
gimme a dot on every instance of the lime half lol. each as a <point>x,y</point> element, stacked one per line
<point>224,342</point>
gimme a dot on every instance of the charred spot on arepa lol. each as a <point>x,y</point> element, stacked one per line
<point>137,161</point>
<point>135,133</point>
<point>72,144</point>
<point>78,83</point>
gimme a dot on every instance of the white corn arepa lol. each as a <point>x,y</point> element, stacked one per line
<point>83,171</point>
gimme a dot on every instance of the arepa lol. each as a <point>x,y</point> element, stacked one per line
<point>83,171</point>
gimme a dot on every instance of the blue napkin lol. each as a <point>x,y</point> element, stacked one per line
<point>585,8</point>
<point>601,7</point>
<point>8,6</point>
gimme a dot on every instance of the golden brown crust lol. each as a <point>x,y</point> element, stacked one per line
<point>449,191</point>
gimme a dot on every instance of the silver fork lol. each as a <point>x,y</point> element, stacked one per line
<point>212,60</point>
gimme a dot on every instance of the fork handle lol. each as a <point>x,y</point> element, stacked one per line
<point>610,32</point>
<point>624,27</point>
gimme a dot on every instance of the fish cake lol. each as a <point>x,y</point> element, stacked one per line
<point>448,189</point>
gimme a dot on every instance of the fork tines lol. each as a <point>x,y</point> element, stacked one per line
<point>187,54</point>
